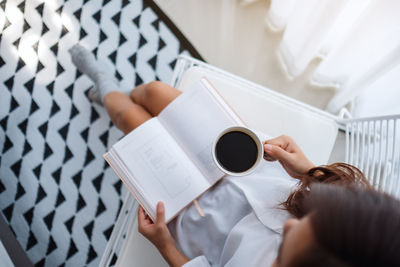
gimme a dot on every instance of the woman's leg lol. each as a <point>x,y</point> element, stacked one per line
<point>124,113</point>
<point>145,101</point>
<point>154,96</point>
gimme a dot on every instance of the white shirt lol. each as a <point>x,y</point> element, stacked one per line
<point>243,222</point>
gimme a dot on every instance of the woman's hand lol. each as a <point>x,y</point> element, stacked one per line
<point>288,153</point>
<point>157,233</point>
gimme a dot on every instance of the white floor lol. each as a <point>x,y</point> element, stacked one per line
<point>234,37</point>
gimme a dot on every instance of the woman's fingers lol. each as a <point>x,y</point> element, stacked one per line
<point>160,213</point>
<point>280,140</point>
<point>268,157</point>
<point>276,142</point>
<point>140,214</point>
<point>143,218</point>
<point>277,153</point>
<point>288,153</point>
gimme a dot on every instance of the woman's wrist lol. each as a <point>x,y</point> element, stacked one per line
<point>172,255</point>
<point>166,247</point>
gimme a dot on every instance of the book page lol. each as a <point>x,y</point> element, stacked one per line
<point>160,168</point>
<point>195,119</point>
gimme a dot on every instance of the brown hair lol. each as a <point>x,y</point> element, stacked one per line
<point>351,226</point>
<point>338,174</point>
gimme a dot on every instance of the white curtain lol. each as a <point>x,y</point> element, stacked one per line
<point>357,40</point>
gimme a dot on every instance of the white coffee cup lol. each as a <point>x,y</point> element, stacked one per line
<point>237,158</point>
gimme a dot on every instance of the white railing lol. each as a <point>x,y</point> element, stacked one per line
<point>121,226</point>
<point>373,146</point>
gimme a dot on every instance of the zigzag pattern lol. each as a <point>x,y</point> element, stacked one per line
<point>56,191</point>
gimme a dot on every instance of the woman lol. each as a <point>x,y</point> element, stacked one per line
<point>343,227</point>
<point>244,217</point>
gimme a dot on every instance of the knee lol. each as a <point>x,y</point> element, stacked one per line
<point>123,118</point>
<point>153,89</point>
<point>146,91</point>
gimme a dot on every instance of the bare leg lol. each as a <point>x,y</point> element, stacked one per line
<point>145,101</point>
<point>154,96</point>
<point>124,113</point>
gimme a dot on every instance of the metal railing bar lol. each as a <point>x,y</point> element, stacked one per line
<point>368,143</point>
<point>374,150</point>
<point>347,143</point>
<point>386,162</point>
<point>362,145</point>
<point>352,144</point>
<point>393,167</point>
<point>379,167</point>
<point>357,162</point>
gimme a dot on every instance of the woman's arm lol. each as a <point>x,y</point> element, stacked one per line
<point>173,256</point>
<point>288,153</point>
<point>157,233</point>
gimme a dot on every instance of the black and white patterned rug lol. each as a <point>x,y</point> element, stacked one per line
<point>56,191</point>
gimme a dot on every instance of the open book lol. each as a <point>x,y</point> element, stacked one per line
<point>169,158</point>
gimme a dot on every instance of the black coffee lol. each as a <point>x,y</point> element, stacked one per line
<point>236,151</point>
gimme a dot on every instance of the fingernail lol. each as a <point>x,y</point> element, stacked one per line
<point>267,148</point>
